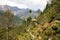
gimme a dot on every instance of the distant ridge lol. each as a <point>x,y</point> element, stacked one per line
<point>21,13</point>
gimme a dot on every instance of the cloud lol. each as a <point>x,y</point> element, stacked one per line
<point>11,3</point>
<point>3,2</point>
<point>16,4</point>
<point>32,4</point>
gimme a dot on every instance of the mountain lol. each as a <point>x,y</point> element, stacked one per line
<point>6,7</point>
<point>46,26</point>
<point>21,13</point>
<point>8,19</point>
<point>51,11</point>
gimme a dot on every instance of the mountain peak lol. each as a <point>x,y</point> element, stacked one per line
<point>6,7</point>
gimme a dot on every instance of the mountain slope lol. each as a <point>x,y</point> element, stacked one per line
<point>50,12</point>
<point>47,26</point>
<point>7,17</point>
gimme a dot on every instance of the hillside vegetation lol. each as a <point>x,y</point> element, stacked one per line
<point>45,27</point>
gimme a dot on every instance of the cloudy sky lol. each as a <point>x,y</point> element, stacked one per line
<point>32,4</point>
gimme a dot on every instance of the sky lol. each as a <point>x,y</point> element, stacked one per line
<point>31,4</point>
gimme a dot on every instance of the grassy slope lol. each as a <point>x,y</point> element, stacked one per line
<point>49,24</point>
